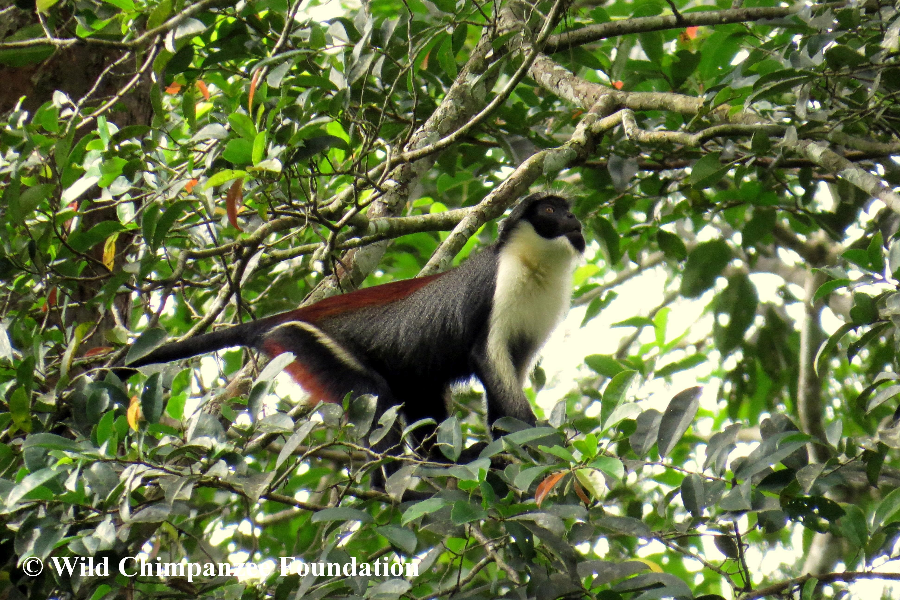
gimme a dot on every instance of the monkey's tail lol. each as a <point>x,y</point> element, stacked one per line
<point>238,335</point>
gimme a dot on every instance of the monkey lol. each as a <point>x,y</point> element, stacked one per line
<point>407,342</point>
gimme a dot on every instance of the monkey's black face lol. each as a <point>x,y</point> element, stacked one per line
<point>552,217</point>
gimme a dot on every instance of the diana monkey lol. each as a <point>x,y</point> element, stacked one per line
<point>407,342</point>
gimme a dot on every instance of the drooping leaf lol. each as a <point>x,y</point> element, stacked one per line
<point>148,341</point>
<point>704,264</point>
<point>677,418</point>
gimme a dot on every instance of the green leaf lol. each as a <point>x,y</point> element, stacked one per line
<point>48,117</point>
<point>671,245</point>
<point>587,446</point>
<point>596,306</point>
<point>874,333</point>
<point>449,438</point>
<point>830,286</point>
<point>446,57</point>
<point>760,143</point>
<point>44,5</point>
<point>84,241</point>
<point>875,253</point>
<point>652,44</point>
<point>259,147</point>
<point>243,125</point>
<point>498,42</point>
<point>626,525</point>
<point>223,177</point>
<point>421,508</point>
<point>887,509</point>
<point>610,465</point>
<point>314,81</point>
<point>707,171</point>
<point>609,236</point>
<point>361,414</point>
<point>126,5</point>
<point>392,589</point>
<point>864,309</point>
<point>29,483</point>
<point>525,478</point>
<point>294,441</point>
<point>29,200</point>
<point>20,57</point>
<point>465,512</point>
<point>159,14</point>
<point>238,151</point>
<point>639,322</point>
<point>20,409</point>
<point>771,452</point>
<point>737,499</point>
<point>883,395</point>
<point>614,398</point>
<point>853,526</point>
<point>809,589</point>
<point>105,431</point>
<point>165,222</point>
<point>604,364</point>
<point>148,341</point>
<point>779,82</point>
<point>677,418</point>
<point>52,441</point>
<point>587,59</point>
<point>647,431</point>
<point>839,56</point>
<point>858,257</point>
<point>72,347</point>
<point>828,347</point>
<point>894,258</point>
<point>618,386</point>
<point>693,495</point>
<point>739,301</point>
<point>559,452</point>
<point>684,65</point>
<point>402,539</point>
<point>341,513</point>
<point>152,398</point>
<point>703,267</point>
<point>681,365</point>
<point>277,74</point>
<point>149,218</point>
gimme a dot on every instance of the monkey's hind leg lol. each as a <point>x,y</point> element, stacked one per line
<point>329,371</point>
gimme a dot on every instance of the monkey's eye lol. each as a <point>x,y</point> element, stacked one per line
<point>549,210</point>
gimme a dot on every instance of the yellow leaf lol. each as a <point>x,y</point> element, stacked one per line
<point>109,251</point>
<point>133,414</point>
<point>653,566</point>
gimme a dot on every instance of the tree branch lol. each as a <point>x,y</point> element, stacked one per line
<point>600,31</point>
<point>779,589</point>
<point>825,157</point>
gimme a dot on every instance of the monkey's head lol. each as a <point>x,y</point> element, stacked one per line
<point>550,215</point>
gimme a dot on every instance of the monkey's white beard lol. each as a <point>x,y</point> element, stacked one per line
<point>531,296</point>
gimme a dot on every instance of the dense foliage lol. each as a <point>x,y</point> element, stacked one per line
<point>168,168</point>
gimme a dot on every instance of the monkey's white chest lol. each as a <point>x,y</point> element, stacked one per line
<point>531,297</point>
